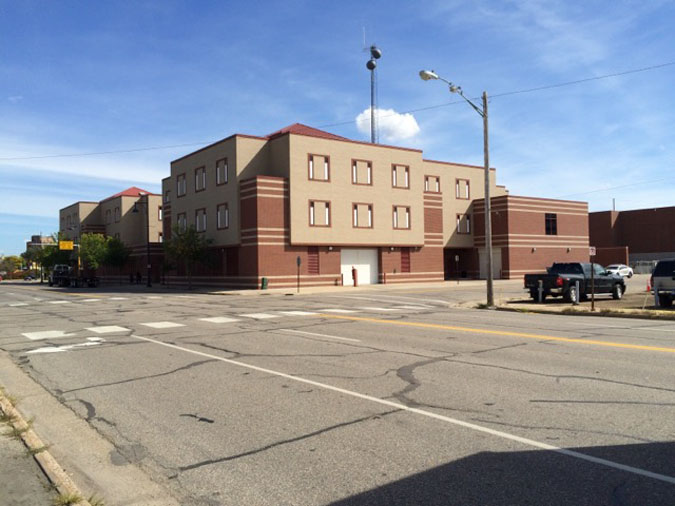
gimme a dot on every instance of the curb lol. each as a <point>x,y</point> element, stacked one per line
<point>54,472</point>
<point>612,313</point>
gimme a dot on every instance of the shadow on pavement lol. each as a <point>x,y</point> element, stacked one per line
<point>538,477</point>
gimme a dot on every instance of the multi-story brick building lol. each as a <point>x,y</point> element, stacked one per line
<point>336,205</point>
<point>636,235</point>
<point>134,216</point>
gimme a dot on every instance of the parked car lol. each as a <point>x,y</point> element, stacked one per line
<point>561,280</point>
<point>620,269</point>
<point>663,282</point>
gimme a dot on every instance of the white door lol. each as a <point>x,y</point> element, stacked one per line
<point>365,263</point>
<point>496,263</point>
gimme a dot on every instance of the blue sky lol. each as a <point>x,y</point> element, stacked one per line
<point>82,77</point>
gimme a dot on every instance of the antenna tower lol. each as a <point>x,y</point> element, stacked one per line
<point>375,54</point>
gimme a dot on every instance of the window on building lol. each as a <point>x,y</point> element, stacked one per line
<point>200,179</point>
<point>160,214</point>
<point>181,186</point>
<point>200,220</point>
<point>319,167</point>
<point>463,224</point>
<point>222,175</point>
<point>462,189</point>
<point>167,196</point>
<point>551,220</point>
<point>223,216</point>
<point>362,215</point>
<point>69,221</point>
<point>319,213</point>
<point>401,217</point>
<point>362,172</point>
<point>181,221</point>
<point>400,176</point>
<point>118,215</point>
<point>160,237</point>
<point>432,184</point>
<point>108,217</point>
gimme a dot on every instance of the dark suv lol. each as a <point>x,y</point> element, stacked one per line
<point>663,282</point>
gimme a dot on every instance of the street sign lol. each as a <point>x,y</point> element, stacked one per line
<point>66,245</point>
<point>298,261</point>
<point>591,251</point>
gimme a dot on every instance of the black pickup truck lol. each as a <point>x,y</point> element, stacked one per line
<point>561,280</point>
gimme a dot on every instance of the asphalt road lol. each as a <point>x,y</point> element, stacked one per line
<point>357,397</point>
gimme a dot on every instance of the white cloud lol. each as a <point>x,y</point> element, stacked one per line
<point>392,126</point>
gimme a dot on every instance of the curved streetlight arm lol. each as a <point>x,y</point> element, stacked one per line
<point>475,107</point>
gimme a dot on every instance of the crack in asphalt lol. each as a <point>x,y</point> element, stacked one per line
<point>139,378</point>
<point>285,441</point>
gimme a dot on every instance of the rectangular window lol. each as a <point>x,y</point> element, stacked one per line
<point>181,186</point>
<point>117,215</point>
<point>463,224</point>
<point>181,221</point>
<point>551,224</point>
<point>108,217</point>
<point>362,215</point>
<point>200,179</point>
<point>159,213</point>
<point>432,184</point>
<point>223,216</point>
<point>400,176</point>
<point>362,172</point>
<point>222,173</point>
<point>319,213</point>
<point>167,196</point>
<point>462,189</point>
<point>69,221</point>
<point>160,237</point>
<point>401,217</point>
<point>318,167</point>
<point>200,220</point>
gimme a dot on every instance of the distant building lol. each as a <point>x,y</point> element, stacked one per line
<point>39,242</point>
<point>334,205</point>
<point>637,235</point>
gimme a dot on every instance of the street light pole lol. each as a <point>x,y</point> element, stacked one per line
<point>427,75</point>
<point>147,242</point>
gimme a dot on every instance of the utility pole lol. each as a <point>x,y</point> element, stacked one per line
<point>488,206</point>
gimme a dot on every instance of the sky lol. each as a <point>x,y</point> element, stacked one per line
<point>79,77</point>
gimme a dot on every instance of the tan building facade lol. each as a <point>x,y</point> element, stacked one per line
<point>334,205</point>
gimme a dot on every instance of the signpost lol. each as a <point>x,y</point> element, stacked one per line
<point>457,267</point>
<point>298,261</point>
<point>591,253</point>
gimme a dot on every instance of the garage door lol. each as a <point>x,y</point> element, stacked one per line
<point>365,263</point>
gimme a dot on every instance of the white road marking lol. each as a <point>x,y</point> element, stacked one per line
<point>297,313</point>
<point>413,307</point>
<point>320,335</point>
<point>381,309</point>
<point>91,300</point>
<point>186,296</point>
<point>119,298</point>
<point>338,311</point>
<point>91,341</point>
<point>107,329</point>
<point>422,412</point>
<point>59,302</point>
<point>154,297</point>
<point>259,316</point>
<point>219,319</point>
<point>162,325</point>
<point>17,304</point>
<point>46,334</point>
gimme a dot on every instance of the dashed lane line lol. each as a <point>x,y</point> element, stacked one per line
<point>382,309</point>
<point>59,302</point>
<point>422,412</point>
<point>503,333</point>
<point>259,316</point>
<point>162,325</point>
<point>338,311</point>
<point>298,313</point>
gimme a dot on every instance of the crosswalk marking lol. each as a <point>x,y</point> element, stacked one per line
<point>413,307</point>
<point>381,309</point>
<point>162,325</point>
<point>107,329</point>
<point>91,341</point>
<point>46,334</point>
<point>260,316</point>
<point>297,313</point>
<point>17,304</point>
<point>91,300</point>
<point>219,319</point>
<point>59,302</point>
<point>119,298</point>
<point>338,311</point>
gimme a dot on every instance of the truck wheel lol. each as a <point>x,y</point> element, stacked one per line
<point>665,301</point>
<point>617,292</point>
<point>571,295</point>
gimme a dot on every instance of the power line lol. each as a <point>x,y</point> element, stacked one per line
<point>420,109</point>
<point>615,187</point>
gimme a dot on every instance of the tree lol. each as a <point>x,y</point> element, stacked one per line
<point>187,246</point>
<point>93,249</point>
<point>11,263</point>
<point>51,255</point>
<point>116,254</point>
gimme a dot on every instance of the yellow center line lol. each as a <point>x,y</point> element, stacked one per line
<point>439,326</point>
